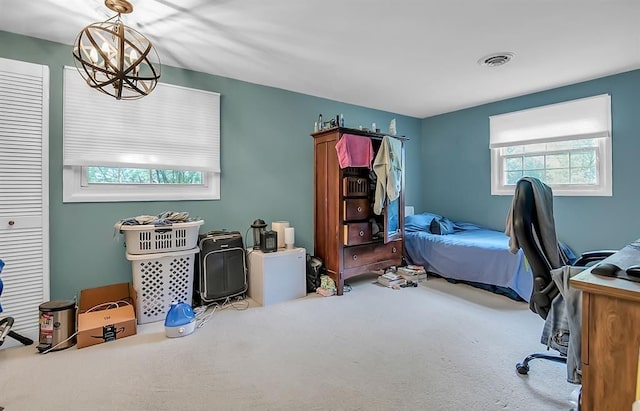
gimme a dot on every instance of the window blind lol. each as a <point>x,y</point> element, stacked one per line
<point>172,128</point>
<point>572,120</point>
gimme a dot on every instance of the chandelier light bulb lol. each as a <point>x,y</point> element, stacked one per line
<point>93,55</point>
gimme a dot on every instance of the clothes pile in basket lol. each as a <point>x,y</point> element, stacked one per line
<point>166,218</point>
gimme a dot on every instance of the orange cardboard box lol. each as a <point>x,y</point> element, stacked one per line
<point>106,314</point>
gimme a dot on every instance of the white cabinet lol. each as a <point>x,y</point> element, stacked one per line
<point>277,276</point>
<point>24,192</point>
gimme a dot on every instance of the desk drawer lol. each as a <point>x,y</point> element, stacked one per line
<point>355,209</point>
<point>371,253</point>
<point>357,233</point>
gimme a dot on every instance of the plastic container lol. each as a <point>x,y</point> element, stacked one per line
<point>148,238</point>
<point>159,280</point>
<point>180,321</point>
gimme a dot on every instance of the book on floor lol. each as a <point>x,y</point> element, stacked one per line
<point>412,273</point>
<point>414,277</point>
<point>390,275</point>
<point>411,269</point>
<point>391,283</point>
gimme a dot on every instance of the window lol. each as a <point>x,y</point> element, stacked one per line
<point>566,145</point>
<point>164,146</point>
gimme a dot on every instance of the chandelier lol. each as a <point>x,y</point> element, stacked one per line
<point>116,59</point>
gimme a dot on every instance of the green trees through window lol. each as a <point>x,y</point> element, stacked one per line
<point>558,163</point>
<point>115,175</point>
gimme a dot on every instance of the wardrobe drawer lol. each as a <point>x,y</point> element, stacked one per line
<point>355,187</point>
<point>371,253</point>
<point>357,233</point>
<point>356,209</point>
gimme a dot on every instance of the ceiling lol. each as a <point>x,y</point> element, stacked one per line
<point>412,57</point>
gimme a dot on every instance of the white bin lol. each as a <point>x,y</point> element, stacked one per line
<point>148,238</point>
<point>160,279</point>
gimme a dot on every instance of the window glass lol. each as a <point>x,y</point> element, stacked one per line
<point>107,175</point>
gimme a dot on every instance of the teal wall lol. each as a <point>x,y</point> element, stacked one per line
<point>266,161</point>
<point>456,167</point>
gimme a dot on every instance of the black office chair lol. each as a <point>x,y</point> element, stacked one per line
<point>7,322</point>
<point>534,230</point>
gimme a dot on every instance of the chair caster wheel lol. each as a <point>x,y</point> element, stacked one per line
<point>522,369</point>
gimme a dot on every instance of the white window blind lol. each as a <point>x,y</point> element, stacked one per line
<point>572,120</point>
<point>172,128</point>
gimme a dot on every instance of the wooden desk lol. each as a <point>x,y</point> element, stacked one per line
<point>610,335</point>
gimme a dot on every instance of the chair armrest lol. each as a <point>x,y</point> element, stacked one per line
<point>589,257</point>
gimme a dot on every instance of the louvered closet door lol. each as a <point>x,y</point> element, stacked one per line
<point>24,194</point>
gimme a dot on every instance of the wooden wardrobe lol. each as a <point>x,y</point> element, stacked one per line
<point>348,236</point>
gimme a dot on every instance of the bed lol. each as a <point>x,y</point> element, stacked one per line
<point>469,253</point>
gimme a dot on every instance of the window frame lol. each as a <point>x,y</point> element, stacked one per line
<point>76,190</point>
<point>603,169</point>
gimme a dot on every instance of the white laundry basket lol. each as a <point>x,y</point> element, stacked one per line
<point>160,279</point>
<point>149,238</point>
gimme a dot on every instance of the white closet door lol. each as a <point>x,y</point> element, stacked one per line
<point>24,193</point>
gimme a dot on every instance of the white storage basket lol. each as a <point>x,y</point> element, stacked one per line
<point>148,238</point>
<point>160,279</point>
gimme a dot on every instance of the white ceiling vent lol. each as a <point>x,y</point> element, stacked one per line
<point>496,59</point>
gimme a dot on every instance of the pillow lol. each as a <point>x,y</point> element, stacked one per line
<point>441,226</point>
<point>419,222</point>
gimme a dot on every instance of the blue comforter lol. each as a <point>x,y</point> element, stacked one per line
<point>472,253</point>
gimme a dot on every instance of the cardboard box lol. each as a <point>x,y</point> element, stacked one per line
<point>106,314</point>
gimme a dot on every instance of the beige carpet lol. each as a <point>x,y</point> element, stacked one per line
<point>436,347</point>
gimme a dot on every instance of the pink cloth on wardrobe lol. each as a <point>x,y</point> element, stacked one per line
<point>354,151</point>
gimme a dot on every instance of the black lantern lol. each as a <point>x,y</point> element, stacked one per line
<point>269,241</point>
<point>258,227</point>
